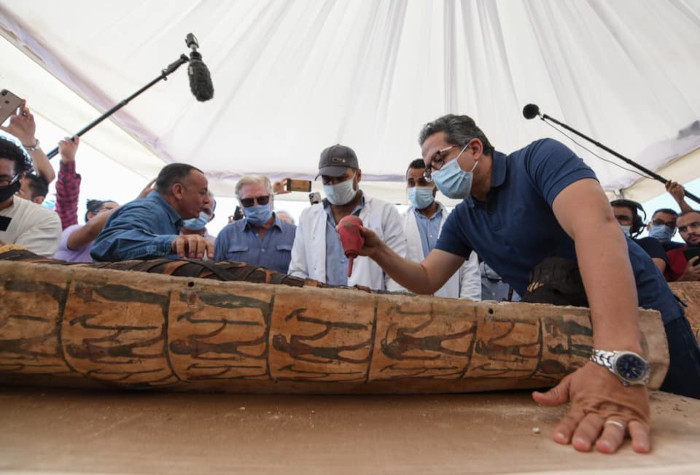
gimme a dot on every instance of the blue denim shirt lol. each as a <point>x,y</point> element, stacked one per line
<point>336,262</point>
<point>429,230</point>
<point>141,229</point>
<point>239,241</point>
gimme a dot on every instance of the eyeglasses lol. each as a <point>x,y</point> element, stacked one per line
<point>661,222</point>
<point>9,181</point>
<point>436,162</point>
<point>248,202</point>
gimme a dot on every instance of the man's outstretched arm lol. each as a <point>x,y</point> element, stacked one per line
<point>597,397</point>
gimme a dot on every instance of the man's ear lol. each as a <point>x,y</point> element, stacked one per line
<point>177,190</point>
<point>476,147</point>
<point>358,174</point>
<point>38,199</point>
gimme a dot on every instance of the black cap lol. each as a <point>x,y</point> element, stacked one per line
<point>336,159</point>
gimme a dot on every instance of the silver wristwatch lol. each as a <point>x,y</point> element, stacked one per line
<point>628,366</point>
<point>33,148</point>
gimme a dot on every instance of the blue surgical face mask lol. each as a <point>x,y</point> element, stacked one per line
<point>341,193</point>
<point>452,181</point>
<point>259,214</point>
<point>626,230</point>
<point>198,223</point>
<point>662,233</point>
<point>421,196</point>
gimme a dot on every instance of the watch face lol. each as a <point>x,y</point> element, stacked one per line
<point>631,367</point>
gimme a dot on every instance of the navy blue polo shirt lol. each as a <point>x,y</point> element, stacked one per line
<point>515,229</point>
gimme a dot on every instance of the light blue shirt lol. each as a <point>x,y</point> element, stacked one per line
<point>239,241</point>
<point>142,229</point>
<point>428,229</point>
<point>336,262</point>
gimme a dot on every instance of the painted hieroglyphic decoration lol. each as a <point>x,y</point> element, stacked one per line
<point>80,326</point>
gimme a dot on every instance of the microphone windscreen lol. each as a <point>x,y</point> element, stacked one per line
<point>531,111</point>
<point>200,78</point>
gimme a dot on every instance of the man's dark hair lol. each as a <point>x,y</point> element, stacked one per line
<point>459,130</point>
<point>667,211</point>
<point>37,184</point>
<point>684,213</point>
<point>417,164</point>
<point>171,174</point>
<point>94,206</point>
<point>11,151</point>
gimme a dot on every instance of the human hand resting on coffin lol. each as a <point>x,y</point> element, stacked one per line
<point>602,413</point>
<point>193,246</point>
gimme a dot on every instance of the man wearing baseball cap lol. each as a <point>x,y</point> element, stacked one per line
<point>318,253</point>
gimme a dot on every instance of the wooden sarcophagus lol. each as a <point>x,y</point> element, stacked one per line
<point>78,325</point>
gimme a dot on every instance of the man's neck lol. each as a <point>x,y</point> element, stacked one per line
<point>262,229</point>
<point>482,180</point>
<point>429,211</point>
<point>7,203</point>
<point>341,211</point>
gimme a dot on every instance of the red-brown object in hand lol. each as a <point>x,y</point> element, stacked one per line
<point>350,237</point>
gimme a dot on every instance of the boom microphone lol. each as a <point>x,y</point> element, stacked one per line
<point>531,111</point>
<point>200,78</point>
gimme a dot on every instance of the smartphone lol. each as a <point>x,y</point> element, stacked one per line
<point>692,252</point>
<point>9,103</point>
<point>298,185</point>
<point>314,197</point>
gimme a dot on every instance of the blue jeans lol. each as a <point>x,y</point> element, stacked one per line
<point>683,375</point>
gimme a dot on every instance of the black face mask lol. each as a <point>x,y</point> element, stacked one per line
<point>7,191</point>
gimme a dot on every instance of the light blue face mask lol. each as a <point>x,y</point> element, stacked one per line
<point>626,230</point>
<point>662,233</point>
<point>452,181</point>
<point>196,224</point>
<point>341,193</point>
<point>421,196</point>
<point>259,214</point>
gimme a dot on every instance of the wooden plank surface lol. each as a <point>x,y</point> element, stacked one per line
<point>86,431</point>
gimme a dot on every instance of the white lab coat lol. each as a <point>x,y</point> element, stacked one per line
<point>309,250</point>
<point>466,282</point>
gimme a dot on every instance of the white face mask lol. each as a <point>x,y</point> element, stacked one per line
<point>342,193</point>
<point>626,230</point>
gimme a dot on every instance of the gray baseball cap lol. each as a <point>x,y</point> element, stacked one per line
<point>336,159</point>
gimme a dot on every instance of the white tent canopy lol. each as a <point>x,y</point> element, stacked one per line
<point>292,77</point>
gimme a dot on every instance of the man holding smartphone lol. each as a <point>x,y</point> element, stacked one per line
<point>685,261</point>
<point>23,127</point>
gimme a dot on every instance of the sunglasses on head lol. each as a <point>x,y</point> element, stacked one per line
<point>248,202</point>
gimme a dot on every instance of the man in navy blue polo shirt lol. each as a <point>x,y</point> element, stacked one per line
<point>521,209</point>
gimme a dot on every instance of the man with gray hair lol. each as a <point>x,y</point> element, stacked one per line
<point>261,238</point>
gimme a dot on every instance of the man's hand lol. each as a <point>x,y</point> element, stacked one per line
<point>280,187</point>
<point>373,245</point>
<point>22,126</point>
<point>67,148</point>
<point>193,246</point>
<point>676,190</point>
<point>692,270</point>
<point>602,411</point>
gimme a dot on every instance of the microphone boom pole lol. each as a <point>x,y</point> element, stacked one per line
<point>163,76</point>
<point>531,110</point>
